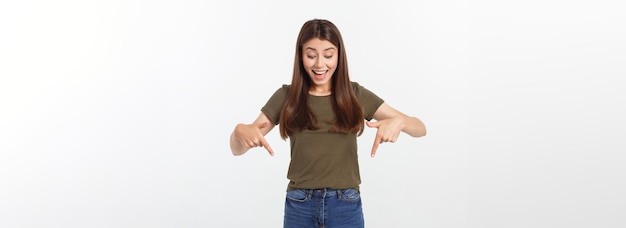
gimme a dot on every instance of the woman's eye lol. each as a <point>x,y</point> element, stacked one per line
<point>311,56</point>
<point>328,56</point>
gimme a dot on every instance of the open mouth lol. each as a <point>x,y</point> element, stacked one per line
<point>320,72</point>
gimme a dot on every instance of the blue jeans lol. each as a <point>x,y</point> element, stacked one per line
<point>326,208</point>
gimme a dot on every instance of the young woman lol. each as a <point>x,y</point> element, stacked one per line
<point>322,112</point>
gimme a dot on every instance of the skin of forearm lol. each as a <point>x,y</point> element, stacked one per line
<point>413,126</point>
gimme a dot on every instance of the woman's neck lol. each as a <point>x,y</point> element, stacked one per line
<point>320,90</point>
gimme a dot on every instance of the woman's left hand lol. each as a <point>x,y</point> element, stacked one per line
<point>388,131</point>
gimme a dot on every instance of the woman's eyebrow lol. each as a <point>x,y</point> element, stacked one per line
<point>310,48</point>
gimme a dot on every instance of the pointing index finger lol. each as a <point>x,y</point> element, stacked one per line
<point>267,146</point>
<point>377,142</point>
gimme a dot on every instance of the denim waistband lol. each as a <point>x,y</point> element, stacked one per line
<point>323,191</point>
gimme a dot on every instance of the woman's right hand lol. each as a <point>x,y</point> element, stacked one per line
<point>250,135</point>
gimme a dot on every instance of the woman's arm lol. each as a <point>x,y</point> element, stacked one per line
<point>246,136</point>
<point>390,122</point>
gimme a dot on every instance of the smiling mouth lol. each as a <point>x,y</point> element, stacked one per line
<point>320,72</point>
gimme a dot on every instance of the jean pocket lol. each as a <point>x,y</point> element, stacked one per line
<point>297,195</point>
<point>350,195</point>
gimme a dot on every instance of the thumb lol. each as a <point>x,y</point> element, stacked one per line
<point>373,124</point>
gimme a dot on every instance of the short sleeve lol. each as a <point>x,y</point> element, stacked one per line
<point>368,100</point>
<point>273,106</point>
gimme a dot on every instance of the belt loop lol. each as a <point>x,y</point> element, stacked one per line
<point>339,194</point>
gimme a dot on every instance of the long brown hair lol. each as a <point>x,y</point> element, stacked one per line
<point>296,114</point>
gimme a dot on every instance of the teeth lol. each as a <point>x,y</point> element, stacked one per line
<point>319,72</point>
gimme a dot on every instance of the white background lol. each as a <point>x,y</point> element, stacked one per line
<point>118,113</point>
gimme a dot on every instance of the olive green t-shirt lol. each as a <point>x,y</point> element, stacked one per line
<point>319,158</point>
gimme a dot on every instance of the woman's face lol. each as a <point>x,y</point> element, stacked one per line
<point>319,58</point>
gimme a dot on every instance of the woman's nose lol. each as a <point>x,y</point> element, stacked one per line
<point>319,63</point>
